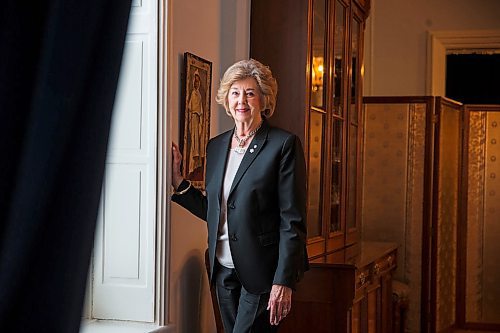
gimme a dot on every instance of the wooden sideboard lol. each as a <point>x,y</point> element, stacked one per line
<point>347,291</point>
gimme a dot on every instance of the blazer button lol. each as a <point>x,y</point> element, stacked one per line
<point>233,237</point>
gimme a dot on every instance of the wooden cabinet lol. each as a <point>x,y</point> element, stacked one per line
<point>314,49</point>
<point>372,306</point>
<point>349,291</point>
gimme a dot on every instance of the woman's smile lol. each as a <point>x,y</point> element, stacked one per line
<point>242,110</point>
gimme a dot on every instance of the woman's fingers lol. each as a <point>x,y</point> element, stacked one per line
<point>279,303</point>
<point>176,165</point>
<point>176,154</point>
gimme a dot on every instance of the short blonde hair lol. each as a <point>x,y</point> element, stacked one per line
<point>250,68</point>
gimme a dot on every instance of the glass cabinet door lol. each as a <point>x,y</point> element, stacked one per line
<point>315,176</point>
<point>355,50</point>
<point>318,56</point>
<point>317,129</point>
<point>339,51</point>
<point>352,174</point>
<point>337,154</point>
<point>333,134</point>
<point>337,182</point>
<point>337,168</point>
<point>353,130</point>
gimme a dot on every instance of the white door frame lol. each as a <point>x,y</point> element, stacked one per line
<point>440,42</point>
<point>164,143</point>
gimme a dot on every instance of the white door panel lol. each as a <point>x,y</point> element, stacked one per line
<point>122,245</point>
<point>123,281</point>
<point>127,127</point>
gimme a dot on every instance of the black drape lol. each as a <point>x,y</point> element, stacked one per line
<point>59,66</point>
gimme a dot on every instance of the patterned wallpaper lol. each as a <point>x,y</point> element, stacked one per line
<point>475,218</point>
<point>483,270</point>
<point>491,275</point>
<point>393,166</point>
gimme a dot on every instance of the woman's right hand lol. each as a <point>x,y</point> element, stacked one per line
<point>176,166</point>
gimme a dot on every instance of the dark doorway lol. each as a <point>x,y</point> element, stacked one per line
<point>473,78</point>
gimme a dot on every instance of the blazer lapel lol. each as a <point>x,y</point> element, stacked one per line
<point>252,151</point>
<point>220,162</point>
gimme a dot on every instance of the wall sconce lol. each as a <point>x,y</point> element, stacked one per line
<point>317,73</point>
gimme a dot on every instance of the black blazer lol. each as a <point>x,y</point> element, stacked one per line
<point>265,208</point>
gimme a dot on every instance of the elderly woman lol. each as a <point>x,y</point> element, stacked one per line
<point>254,204</point>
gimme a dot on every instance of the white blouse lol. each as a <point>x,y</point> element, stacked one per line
<point>223,252</point>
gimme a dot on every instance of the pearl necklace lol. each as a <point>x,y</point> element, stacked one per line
<point>242,141</point>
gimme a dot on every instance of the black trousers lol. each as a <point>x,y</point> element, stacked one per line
<point>241,311</point>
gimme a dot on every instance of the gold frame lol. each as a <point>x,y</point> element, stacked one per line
<point>195,128</point>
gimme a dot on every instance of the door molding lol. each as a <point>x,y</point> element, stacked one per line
<point>440,42</point>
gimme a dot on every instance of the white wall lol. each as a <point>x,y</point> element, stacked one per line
<point>216,30</point>
<point>395,53</point>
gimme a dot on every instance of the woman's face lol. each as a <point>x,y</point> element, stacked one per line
<point>245,101</point>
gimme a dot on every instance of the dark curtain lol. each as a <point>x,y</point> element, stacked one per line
<point>59,67</point>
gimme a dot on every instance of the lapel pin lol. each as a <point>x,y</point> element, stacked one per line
<point>251,150</point>
<point>255,146</point>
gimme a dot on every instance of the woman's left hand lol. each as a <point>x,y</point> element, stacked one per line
<point>280,303</point>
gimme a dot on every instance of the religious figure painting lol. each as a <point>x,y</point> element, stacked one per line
<point>196,114</point>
